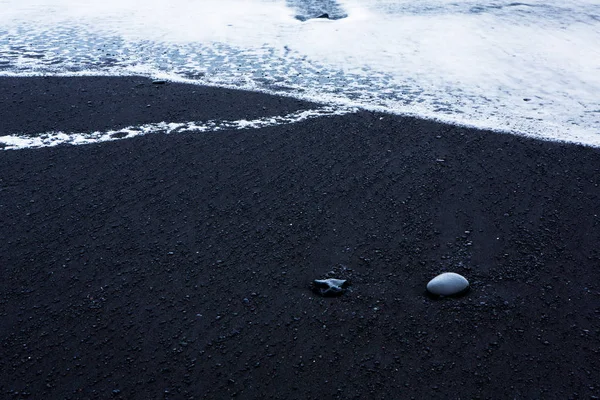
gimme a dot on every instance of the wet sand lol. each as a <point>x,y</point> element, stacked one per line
<point>179,266</point>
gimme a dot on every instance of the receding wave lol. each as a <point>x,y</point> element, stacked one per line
<point>527,68</point>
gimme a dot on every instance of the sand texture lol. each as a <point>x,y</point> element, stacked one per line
<point>179,266</point>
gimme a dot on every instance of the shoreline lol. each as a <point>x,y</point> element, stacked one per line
<point>179,265</point>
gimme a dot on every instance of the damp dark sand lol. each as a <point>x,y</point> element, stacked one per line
<point>179,266</point>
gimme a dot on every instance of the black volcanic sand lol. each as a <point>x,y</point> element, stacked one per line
<point>179,266</point>
<point>80,104</point>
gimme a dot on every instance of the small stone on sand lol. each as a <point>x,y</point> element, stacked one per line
<point>330,287</point>
<point>448,284</point>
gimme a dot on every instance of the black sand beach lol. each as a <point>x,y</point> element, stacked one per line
<point>178,266</point>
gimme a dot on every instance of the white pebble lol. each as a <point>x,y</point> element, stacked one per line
<point>447,284</point>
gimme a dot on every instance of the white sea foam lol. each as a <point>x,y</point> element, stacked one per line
<point>528,68</point>
<point>50,139</point>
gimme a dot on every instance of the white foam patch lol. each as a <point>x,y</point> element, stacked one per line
<point>51,139</point>
<point>527,68</point>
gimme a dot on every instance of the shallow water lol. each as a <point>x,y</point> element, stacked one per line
<point>528,68</point>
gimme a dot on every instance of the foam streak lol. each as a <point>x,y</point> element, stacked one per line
<point>50,139</point>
